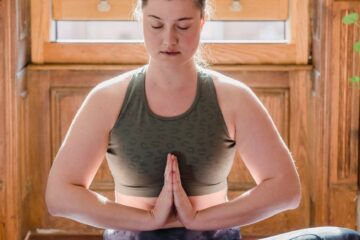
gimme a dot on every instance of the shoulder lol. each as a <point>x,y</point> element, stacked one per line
<point>231,89</point>
<point>244,106</point>
<point>114,86</point>
<point>107,97</point>
<point>247,109</point>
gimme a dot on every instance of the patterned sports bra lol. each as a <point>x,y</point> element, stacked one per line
<point>140,141</point>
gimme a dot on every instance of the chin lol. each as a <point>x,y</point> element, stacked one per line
<point>175,62</point>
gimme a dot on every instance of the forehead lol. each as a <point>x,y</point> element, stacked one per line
<point>171,9</point>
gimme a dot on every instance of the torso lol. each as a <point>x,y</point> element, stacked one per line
<point>198,202</point>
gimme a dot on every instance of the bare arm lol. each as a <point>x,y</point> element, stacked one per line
<point>76,163</point>
<point>269,162</point>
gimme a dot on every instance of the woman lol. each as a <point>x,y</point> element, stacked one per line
<point>170,131</point>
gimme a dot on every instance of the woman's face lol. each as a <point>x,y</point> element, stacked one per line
<point>172,30</point>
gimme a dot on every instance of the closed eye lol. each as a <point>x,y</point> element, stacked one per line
<point>183,28</point>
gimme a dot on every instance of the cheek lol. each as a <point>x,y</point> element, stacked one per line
<point>191,41</point>
<point>150,38</point>
<point>147,34</point>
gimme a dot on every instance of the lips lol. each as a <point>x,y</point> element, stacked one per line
<point>170,52</point>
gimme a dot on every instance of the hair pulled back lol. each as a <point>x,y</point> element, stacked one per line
<point>201,4</point>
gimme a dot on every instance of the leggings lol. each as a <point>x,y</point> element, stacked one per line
<point>318,233</point>
<point>180,233</point>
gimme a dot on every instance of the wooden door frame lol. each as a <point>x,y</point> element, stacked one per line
<point>335,144</point>
<point>10,193</point>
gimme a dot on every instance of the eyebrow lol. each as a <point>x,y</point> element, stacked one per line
<point>180,19</point>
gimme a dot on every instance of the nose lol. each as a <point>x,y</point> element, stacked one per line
<point>170,37</point>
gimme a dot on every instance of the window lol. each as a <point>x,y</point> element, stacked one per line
<point>75,31</point>
<point>130,31</point>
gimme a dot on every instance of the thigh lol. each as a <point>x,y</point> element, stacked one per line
<point>173,234</point>
<point>318,233</point>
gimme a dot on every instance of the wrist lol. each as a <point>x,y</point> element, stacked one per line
<point>150,221</point>
<point>193,223</point>
<point>211,218</point>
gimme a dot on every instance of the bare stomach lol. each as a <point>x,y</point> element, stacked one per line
<point>198,202</point>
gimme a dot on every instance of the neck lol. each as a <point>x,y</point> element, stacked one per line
<point>168,77</point>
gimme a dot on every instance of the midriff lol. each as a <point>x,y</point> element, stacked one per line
<point>198,202</point>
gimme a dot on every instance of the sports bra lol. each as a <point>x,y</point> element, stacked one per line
<point>140,141</point>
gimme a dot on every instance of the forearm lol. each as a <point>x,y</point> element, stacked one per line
<point>91,208</point>
<point>263,201</point>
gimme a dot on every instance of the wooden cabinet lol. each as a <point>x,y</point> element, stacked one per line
<point>55,94</point>
<point>284,92</point>
<point>122,10</point>
<point>54,97</point>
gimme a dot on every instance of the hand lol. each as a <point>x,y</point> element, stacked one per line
<point>185,211</point>
<point>164,204</point>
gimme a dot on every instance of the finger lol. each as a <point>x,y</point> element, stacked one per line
<point>176,170</point>
<point>173,166</point>
<point>177,186</point>
<point>168,164</point>
<point>167,174</point>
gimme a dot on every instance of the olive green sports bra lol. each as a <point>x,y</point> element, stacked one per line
<point>140,141</point>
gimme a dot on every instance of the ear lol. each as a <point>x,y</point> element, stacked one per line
<point>202,22</point>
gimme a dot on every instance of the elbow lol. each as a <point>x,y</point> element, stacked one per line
<point>294,193</point>
<point>295,200</point>
<point>290,192</point>
<point>53,201</point>
<point>51,204</point>
<point>52,210</point>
